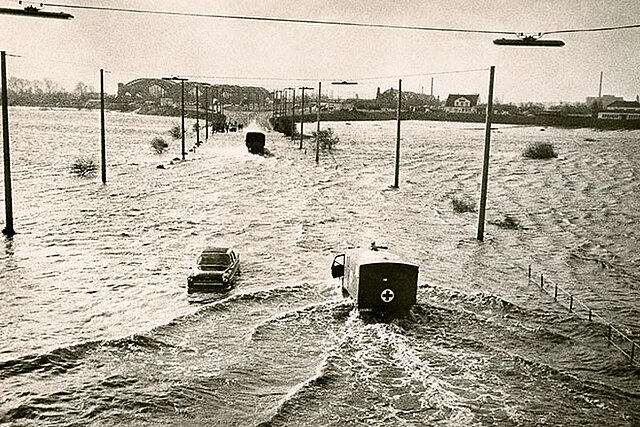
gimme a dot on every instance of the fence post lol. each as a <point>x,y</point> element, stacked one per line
<point>570,303</point>
<point>555,293</point>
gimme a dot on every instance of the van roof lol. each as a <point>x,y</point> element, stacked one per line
<point>368,256</point>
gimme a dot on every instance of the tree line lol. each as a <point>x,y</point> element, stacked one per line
<point>47,93</point>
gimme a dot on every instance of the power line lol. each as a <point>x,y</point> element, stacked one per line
<point>324,22</point>
<point>274,19</point>
<point>255,78</point>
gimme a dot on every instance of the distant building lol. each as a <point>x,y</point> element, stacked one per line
<point>603,101</point>
<point>621,110</point>
<point>460,103</point>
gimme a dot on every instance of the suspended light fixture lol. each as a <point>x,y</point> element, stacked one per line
<point>528,40</point>
<point>34,11</point>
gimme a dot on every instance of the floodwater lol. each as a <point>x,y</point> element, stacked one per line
<point>97,327</point>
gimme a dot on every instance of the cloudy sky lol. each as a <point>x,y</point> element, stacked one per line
<point>278,55</point>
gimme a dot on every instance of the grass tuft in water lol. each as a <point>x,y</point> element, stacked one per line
<point>159,144</point>
<point>84,166</point>
<point>176,132</point>
<point>540,150</point>
<point>462,205</point>
<point>509,223</point>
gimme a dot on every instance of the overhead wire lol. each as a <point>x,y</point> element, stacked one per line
<point>324,22</point>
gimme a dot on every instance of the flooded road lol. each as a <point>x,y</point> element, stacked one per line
<point>97,326</point>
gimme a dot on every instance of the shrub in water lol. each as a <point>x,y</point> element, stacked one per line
<point>508,222</point>
<point>326,139</point>
<point>84,166</point>
<point>176,132</point>
<point>463,205</point>
<point>540,150</point>
<point>159,144</point>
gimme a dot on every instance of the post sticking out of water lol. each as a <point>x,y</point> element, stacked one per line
<point>318,125</point>
<point>103,144</point>
<point>197,116</point>
<point>206,113</point>
<point>485,163</point>
<point>182,109</point>
<point>293,114</point>
<point>541,280</point>
<point>8,203</point>
<point>302,114</point>
<point>397,174</point>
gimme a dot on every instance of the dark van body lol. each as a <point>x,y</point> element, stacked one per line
<point>377,280</point>
<point>255,142</point>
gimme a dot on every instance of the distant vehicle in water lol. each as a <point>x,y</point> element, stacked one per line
<point>377,279</point>
<point>215,269</point>
<point>255,141</point>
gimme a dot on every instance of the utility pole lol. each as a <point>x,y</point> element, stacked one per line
<point>221,100</point>
<point>206,114</point>
<point>302,114</point>
<point>197,115</point>
<point>293,114</point>
<point>181,80</point>
<point>318,125</point>
<point>8,203</point>
<point>103,144</point>
<point>397,174</point>
<point>485,163</point>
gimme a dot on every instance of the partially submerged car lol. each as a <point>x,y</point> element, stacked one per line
<point>215,269</point>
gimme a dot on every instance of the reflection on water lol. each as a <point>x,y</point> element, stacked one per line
<point>97,326</point>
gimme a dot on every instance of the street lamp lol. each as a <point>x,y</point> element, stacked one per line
<point>34,12</point>
<point>181,80</point>
<point>528,40</point>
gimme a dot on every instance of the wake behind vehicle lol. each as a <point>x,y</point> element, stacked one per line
<point>377,279</point>
<point>215,269</point>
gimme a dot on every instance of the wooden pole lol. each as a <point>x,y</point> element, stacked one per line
<point>293,114</point>
<point>182,109</point>
<point>8,201</point>
<point>103,144</point>
<point>397,174</point>
<point>318,125</point>
<point>197,116</point>
<point>302,118</point>
<point>206,114</point>
<point>485,163</point>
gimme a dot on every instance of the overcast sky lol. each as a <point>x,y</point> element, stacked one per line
<point>251,53</point>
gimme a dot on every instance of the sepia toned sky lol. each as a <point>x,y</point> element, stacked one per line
<point>277,55</point>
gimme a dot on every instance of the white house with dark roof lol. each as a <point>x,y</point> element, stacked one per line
<point>461,103</point>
